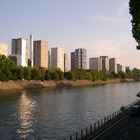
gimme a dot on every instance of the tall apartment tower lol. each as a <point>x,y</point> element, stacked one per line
<point>3,49</point>
<point>79,59</point>
<point>31,51</point>
<point>40,53</point>
<point>65,63</point>
<point>49,59</point>
<point>112,65</point>
<point>95,63</point>
<point>73,61</point>
<point>20,51</point>
<point>57,58</point>
<point>105,63</point>
<point>119,68</point>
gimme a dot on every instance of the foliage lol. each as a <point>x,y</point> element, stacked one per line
<point>9,71</point>
<point>136,74</point>
<point>6,68</point>
<point>134,9</point>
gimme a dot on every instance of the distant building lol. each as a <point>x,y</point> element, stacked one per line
<point>3,49</point>
<point>49,59</point>
<point>57,58</point>
<point>119,68</point>
<point>127,68</point>
<point>105,63</point>
<point>73,61</point>
<point>79,59</point>
<point>65,63</point>
<point>112,65</point>
<point>41,53</point>
<point>95,63</point>
<point>20,51</point>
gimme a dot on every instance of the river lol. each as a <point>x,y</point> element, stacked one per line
<point>54,114</point>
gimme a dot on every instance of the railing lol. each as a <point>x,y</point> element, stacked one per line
<point>100,125</point>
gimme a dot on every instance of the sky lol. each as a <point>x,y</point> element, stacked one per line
<point>103,27</point>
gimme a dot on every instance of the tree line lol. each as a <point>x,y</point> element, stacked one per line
<point>10,71</point>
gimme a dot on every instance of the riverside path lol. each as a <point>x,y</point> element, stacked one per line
<point>117,126</point>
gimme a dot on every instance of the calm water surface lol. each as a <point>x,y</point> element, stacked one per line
<point>55,114</point>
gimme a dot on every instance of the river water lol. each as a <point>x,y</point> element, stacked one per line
<point>42,114</point>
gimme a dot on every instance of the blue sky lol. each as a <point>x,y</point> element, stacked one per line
<point>101,26</point>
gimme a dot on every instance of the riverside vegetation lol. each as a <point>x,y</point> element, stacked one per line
<point>10,71</point>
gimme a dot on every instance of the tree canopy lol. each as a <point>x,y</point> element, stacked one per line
<point>9,71</point>
<point>134,9</point>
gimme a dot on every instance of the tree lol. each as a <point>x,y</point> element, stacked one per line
<point>27,73</point>
<point>121,75</point>
<point>60,74</point>
<point>7,67</point>
<point>42,73</point>
<point>134,9</point>
<point>55,76</point>
<point>136,74</point>
<point>47,75</point>
<point>35,73</point>
<point>19,72</point>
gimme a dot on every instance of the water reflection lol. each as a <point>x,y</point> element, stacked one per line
<point>49,115</point>
<point>27,108</point>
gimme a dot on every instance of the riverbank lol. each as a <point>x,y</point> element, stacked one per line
<point>20,85</point>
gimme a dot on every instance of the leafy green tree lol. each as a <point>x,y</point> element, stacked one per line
<point>112,75</point>
<point>48,75</point>
<point>104,78</point>
<point>121,75</point>
<point>43,73</point>
<point>134,9</point>
<point>6,68</point>
<point>27,73</point>
<point>95,75</point>
<point>19,72</point>
<point>55,76</point>
<point>35,73</point>
<point>61,74</point>
<point>88,75</point>
<point>136,74</point>
<point>128,74</point>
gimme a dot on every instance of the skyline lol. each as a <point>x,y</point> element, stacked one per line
<point>103,28</point>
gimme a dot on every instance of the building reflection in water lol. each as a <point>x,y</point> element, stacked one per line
<point>27,108</point>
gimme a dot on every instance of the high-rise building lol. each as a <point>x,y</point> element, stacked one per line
<point>73,61</point>
<point>119,68</point>
<point>40,53</point>
<point>3,49</point>
<point>20,51</point>
<point>31,51</point>
<point>57,58</point>
<point>112,65</point>
<point>95,63</point>
<point>105,63</point>
<point>79,59</point>
<point>65,63</point>
<point>49,59</point>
